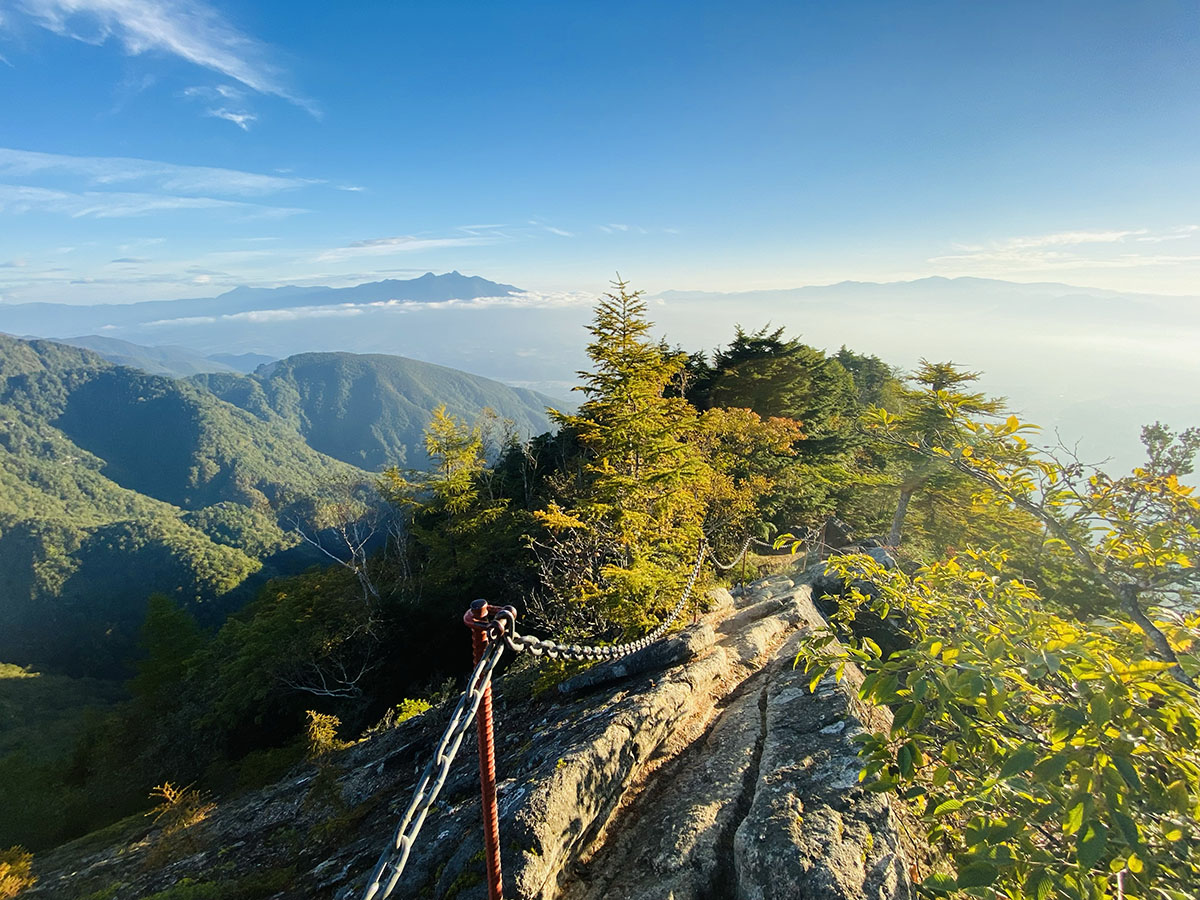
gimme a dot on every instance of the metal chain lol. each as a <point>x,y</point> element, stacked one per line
<point>391,863</point>
<point>501,634</point>
<point>526,644</point>
<point>722,566</point>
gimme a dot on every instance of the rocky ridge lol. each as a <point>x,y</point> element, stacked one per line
<point>700,768</point>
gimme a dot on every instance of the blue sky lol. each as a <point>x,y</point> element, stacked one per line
<point>169,148</point>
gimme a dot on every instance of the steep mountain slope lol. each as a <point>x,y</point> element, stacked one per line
<point>115,484</point>
<point>371,410</point>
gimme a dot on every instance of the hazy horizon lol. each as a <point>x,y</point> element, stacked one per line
<point>177,148</point>
<point>743,163</point>
<point>1092,367</point>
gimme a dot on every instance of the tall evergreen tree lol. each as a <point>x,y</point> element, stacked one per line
<point>637,490</point>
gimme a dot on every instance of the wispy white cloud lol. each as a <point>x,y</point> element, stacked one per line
<point>1175,234</point>
<point>1068,239</point>
<point>223,101</point>
<point>559,231</point>
<point>623,228</point>
<point>1066,250</point>
<point>491,231</point>
<point>241,119</point>
<point>215,92</point>
<point>386,246</point>
<point>189,29</point>
<point>18,199</point>
<point>102,171</point>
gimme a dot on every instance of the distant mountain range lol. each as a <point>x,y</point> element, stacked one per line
<point>1091,366</point>
<point>115,483</point>
<point>1085,363</point>
<point>49,319</point>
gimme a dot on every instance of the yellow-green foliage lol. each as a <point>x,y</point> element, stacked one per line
<point>16,871</point>
<point>322,735</point>
<point>1047,757</point>
<point>324,791</point>
<point>621,550</point>
<point>178,808</point>
<point>410,709</point>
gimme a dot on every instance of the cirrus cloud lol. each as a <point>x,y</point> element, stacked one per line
<point>387,246</point>
<point>102,171</point>
<point>18,199</point>
<point>189,29</point>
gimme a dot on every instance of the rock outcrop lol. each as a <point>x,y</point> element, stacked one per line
<point>701,768</point>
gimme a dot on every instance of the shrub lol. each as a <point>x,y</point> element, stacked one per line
<point>322,735</point>
<point>410,709</point>
<point>1046,757</point>
<point>178,808</point>
<point>16,871</point>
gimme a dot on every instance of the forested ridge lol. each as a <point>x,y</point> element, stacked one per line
<point>370,410</point>
<point>1032,626</point>
<point>117,484</point>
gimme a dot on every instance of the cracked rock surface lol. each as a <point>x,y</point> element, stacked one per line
<point>702,770</point>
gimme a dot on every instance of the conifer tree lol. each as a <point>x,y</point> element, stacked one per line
<point>637,490</point>
<point>450,517</point>
<point>777,376</point>
<point>927,418</point>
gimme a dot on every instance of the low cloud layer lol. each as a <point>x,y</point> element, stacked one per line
<point>524,300</point>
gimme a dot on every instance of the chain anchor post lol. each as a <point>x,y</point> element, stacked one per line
<point>478,619</point>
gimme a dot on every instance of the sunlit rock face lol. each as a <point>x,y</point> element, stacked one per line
<point>700,767</point>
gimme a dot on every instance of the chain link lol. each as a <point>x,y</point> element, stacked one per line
<point>501,634</point>
<point>526,644</point>
<point>726,567</point>
<point>391,862</point>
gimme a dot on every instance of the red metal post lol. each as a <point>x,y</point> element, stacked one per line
<point>476,618</point>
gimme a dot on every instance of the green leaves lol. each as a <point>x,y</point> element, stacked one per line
<point>1090,844</point>
<point>1042,754</point>
<point>947,806</point>
<point>1021,760</point>
<point>977,874</point>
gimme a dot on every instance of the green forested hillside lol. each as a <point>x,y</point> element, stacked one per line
<point>115,484</point>
<point>371,410</point>
<point>178,362</point>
